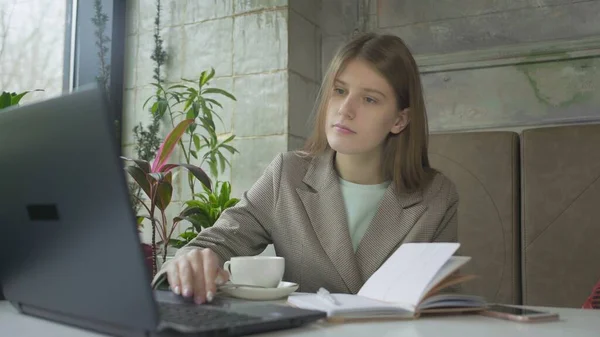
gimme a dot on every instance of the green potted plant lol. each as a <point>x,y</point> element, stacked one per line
<point>8,99</point>
<point>196,100</point>
<point>204,212</point>
<point>156,181</point>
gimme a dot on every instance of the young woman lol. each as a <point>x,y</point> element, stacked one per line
<point>361,187</point>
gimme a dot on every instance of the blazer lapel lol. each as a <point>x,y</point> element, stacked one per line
<point>326,211</point>
<point>397,215</point>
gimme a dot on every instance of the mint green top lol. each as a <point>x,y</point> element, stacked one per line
<point>362,203</point>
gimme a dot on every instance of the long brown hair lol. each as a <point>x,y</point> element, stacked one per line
<point>405,159</point>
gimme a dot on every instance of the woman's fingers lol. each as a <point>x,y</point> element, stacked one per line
<point>173,278</point>
<point>210,273</point>
<point>196,273</point>
<point>197,265</point>
<point>186,277</point>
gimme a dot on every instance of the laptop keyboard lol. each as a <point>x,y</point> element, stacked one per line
<point>200,316</point>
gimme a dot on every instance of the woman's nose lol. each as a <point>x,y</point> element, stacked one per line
<point>347,108</point>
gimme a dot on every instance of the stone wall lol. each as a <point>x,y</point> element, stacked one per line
<point>500,64</point>
<point>266,53</point>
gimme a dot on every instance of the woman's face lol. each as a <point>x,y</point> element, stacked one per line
<point>362,110</point>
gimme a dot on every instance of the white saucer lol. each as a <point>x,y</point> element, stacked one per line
<point>261,294</point>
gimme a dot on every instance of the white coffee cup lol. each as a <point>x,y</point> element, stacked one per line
<point>263,271</point>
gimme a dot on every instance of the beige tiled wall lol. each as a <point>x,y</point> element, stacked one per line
<point>247,44</point>
<point>270,54</point>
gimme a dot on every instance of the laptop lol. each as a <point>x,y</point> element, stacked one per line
<point>69,247</point>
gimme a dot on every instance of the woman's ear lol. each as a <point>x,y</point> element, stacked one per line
<point>401,121</point>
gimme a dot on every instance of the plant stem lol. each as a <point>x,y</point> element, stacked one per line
<point>188,160</point>
<point>165,237</point>
<point>153,191</point>
<point>153,249</point>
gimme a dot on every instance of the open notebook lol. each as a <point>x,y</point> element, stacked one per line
<point>406,285</point>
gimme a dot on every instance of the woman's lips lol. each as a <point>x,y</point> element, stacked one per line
<point>343,129</point>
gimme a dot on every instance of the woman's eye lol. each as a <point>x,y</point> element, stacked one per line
<point>370,100</point>
<point>339,91</point>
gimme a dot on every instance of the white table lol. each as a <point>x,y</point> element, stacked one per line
<point>573,322</point>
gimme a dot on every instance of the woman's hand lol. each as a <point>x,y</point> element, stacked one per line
<point>196,273</point>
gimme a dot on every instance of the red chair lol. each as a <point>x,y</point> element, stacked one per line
<point>593,302</point>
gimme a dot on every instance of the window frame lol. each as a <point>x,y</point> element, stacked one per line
<point>117,52</point>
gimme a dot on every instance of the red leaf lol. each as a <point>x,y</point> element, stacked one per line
<point>167,147</point>
<point>199,174</point>
<point>142,164</point>
<point>140,178</point>
<point>164,192</point>
<point>167,167</point>
<point>196,171</point>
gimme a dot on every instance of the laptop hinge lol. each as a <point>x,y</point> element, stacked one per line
<point>81,322</point>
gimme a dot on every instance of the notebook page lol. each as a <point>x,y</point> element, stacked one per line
<point>453,264</point>
<point>350,305</point>
<point>405,275</point>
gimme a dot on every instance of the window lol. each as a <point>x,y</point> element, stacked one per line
<point>94,47</point>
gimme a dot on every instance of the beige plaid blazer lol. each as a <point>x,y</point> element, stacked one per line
<point>297,205</point>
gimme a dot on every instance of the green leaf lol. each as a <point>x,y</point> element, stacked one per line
<point>223,161</point>
<point>194,154</point>
<point>192,91</point>
<point>196,142</point>
<point>227,189</point>
<point>213,166</point>
<point>218,91</point>
<point>201,196</point>
<point>176,243</point>
<point>142,217</point>
<point>196,106</point>
<point>230,203</point>
<point>186,80</point>
<point>191,114</point>
<point>224,196</point>
<point>147,100</point>
<point>207,191</point>
<point>191,99</point>
<point>159,107</point>
<point>209,125</point>
<point>177,86</point>
<point>214,213</point>
<point>205,110</point>
<point>219,117</point>
<point>188,235</point>
<point>158,87</point>
<point>205,78</point>
<point>163,104</point>
<point>176,96</point>
<point>15,99</point>
<point>200,221</point>
<point>192,207</point>
<point>210,100</point>
<point>206,141</point>
<point>229,148</point>
<point>5,100</point>
<point>213,200</point>
<point>8,99</point>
